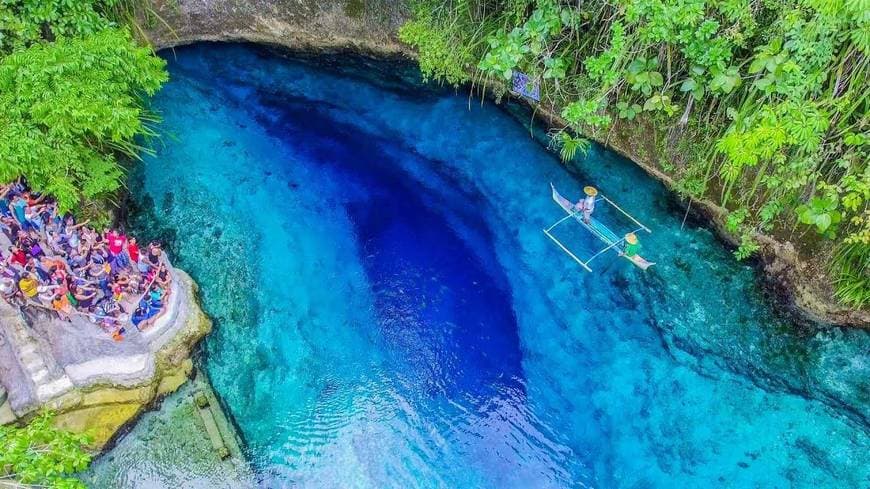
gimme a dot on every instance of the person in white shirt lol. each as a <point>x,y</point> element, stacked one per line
<point>587,205</point>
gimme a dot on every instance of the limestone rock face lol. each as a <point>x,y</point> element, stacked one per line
<point>368,25</point>
<point>95,384</point>
<point>101,421</point>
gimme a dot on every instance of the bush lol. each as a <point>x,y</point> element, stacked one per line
<point>68,109</point>
<point>851,270</point>
<point>41,455</point>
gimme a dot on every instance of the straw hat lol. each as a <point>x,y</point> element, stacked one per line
<point>590,191</point>
<point>631,238</point>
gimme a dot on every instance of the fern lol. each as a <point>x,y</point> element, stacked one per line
<point>569,145</point>
<point>68,108</point>
<point>851,270</point>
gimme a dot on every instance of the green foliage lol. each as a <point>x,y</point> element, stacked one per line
<point>659,102</point>
<point>771,96</point>
<point>748,247</point>
<point>627,111</point>
<point>440,58</point>
<point>556,68</point>
<point>694,85</point>
<point>734,221</point>
<point>851,269</point>
<point>822,213</point>
<point>585,112</point>
<point>505,54</point>
<point>603,67</point>
<point>41,455</point>
<point>643,76</point>
<point>25,22</point>
<point>508,51</point>
<point>725,81</point>
<point>68,108</point>
<point>569,145</point>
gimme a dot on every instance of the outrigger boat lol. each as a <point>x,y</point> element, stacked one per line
<point>598,230</point>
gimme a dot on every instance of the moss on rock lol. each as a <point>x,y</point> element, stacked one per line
<point>107,396</point>
<point>100,422</point>
<point>172,380</point>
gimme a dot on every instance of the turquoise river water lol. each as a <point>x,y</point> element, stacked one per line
<point>388,312</point>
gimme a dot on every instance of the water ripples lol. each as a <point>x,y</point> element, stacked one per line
<point>390,314</point>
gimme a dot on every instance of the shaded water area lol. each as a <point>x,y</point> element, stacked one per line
<point>388,312</point>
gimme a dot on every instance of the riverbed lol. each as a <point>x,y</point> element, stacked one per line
<point>388,312</point>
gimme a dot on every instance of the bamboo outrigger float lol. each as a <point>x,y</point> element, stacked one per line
<point>598,230</point>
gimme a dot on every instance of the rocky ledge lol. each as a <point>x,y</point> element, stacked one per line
<point>360,25</point>
<point>93,383</point>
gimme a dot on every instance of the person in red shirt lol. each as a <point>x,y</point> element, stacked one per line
<point>133,252</point>
<point>17,256</point>
<point>116,243</point>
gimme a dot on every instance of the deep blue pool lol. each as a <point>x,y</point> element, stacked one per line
<point>388,312</point>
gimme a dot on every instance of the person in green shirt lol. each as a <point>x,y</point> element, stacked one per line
<point>632,245</point>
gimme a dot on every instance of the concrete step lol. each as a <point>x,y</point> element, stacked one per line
<point>34,367</point>
<point>29,356</point>
<point>40,376</point>
<point>32,362</point>
<point>54,388</point>
<point>133,368</point>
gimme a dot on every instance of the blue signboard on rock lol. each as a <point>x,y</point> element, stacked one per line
<point>524,85</point>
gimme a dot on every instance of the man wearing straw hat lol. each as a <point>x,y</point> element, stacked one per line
<point>587,205</point>
<point>632,245</point>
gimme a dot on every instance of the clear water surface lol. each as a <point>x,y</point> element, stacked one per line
<point>389,313</point>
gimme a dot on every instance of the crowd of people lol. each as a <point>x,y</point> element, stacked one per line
<point>55,263</point>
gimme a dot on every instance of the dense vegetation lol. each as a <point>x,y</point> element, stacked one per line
<point>40,455</point>
<point>72,88</point>
<point>72,107</point>
<point>760,105</point>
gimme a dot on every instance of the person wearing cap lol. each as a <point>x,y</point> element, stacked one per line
<point>632,245</point>
<point>587,205</point>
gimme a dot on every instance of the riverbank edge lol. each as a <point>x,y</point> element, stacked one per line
<point>798,292</point>
<point>798,289</point>
<point>106,408</point>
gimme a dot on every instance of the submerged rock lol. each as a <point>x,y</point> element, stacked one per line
<point>173,447</point>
